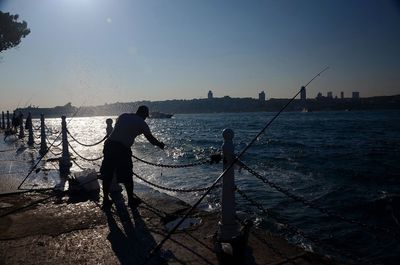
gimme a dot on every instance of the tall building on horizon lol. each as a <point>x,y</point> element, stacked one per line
<point>261,96</point>
<point>342,95</point>
<point>303,93</point>
<point>329,95</point>
<point>303,96</point>
<point>355,95</point>
<point>210,94</point>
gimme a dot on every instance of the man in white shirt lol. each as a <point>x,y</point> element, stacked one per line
<point>117,151</point>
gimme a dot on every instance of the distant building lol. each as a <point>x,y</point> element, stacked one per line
<point>342,95</point>
<point>303,93</point>
<point>329,95</point>
<point>319,95</point>
<point>303,99</point>
<point>356,95</point>
<point>261,96</point>
<point>210,94</point>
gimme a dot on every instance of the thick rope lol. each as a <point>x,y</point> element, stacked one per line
<point>206,161</point>
<point>55,154</point>
<point>37,163</point>
<point>259,206</point>
<point>167,188</point>
<point>41,157</point>
<point>84,158</point>
<point>87,145</point>
<point>51,130</point>
<point>235,160</point>
<point>159,245</point>
<point>294,230</point>
<point>79,166</point>
<point>54,145</point>
<point>253,202</point>
<point>315,206</point>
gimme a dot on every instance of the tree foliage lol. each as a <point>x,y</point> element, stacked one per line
<point>11,31</point>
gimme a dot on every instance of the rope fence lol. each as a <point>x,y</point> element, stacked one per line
<point>78,165</point>
<point>294,231</point>
<point>214,159</point>
<point>82,157</point>
<point>55,154</point>
<point>53,145</point>
<point>171,189</point>
<point>49,130</point>
<point>87,145</point>
<point>312,205</point>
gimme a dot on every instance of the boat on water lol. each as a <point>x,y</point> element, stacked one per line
<point>160,115</point>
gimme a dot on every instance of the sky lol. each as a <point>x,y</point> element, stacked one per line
<point>91,52</point>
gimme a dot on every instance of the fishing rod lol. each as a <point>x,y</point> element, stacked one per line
<point>316,76</point>
<point>235,160</point>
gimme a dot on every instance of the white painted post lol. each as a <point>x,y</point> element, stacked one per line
<point>8,119</point>
<point>65,161</point>
<point>28,123</point>
<point>21,127</point>
<point>43,144</point>
<point>228,227</point>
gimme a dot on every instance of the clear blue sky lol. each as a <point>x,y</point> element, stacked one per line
<point>90,52</point>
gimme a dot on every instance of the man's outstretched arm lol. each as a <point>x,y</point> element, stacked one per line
<point>154,141</point>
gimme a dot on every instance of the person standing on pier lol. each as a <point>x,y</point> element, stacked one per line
<point>118,155</point>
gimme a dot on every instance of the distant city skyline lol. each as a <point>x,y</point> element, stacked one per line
<point>263,94</point>
<point>91,52</point>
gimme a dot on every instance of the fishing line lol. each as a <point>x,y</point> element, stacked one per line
<point>235,160</point>
<point>28,101</point>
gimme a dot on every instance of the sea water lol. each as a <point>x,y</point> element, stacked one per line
<point>345,162</point>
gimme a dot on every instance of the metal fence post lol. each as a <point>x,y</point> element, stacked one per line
<point>65,161</point>
<point>3,124</point>
<point>109,128</point>
<point>228,227</point>
<point>8,119</point>
<point>28,124</point>
<point>43,144</point>
<point>21,126</point>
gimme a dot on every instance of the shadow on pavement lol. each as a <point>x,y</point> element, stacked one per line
<point>131,242</point>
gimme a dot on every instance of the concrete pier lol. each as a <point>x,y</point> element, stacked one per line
<point>53,227</point>
<point>80,233</point>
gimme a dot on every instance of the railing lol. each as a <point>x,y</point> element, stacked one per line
<point>229,226</point>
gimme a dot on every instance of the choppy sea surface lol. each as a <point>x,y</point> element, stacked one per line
<point>345,163</point>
